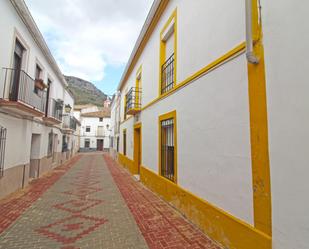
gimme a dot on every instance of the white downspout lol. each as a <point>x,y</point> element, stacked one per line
<point>251,57</point>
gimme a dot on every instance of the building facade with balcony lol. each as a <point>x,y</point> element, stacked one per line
<point>115,125</point>
<point>199,129</point>
<point>95,131</point>
<point>34,102</point>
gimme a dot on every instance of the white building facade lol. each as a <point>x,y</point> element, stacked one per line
<point>95,130</point>
<point>214,116</point>
<point>38,130</point>
<point>115,126</point>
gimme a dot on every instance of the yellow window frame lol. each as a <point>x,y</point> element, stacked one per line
<point>124,142</point>
<point>163,49</point>
<point>166,116</point>
<point>125,108</point>
<point>138,83</point>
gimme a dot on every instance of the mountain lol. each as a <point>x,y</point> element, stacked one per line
<point>85,92</point>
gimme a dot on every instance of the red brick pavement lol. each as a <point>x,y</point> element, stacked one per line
<point>14,206</point>
<point>160,224</point>
<point>77,225</point>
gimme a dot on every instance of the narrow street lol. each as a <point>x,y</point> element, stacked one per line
<point>91,202</point>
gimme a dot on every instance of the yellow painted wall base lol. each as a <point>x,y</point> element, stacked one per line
<point>127,163</point>
<point>217,224</point>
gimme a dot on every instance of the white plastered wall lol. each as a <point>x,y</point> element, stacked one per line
<point>128,125</point>
<point>214,158</point>
<point>286,39</point>
<point>94,123</point>
<point>18,147</point>
<point>10,26</point>
<point>18,141</point>
<point>213,136</point>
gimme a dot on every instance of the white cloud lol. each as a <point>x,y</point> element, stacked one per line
<point>87,35</point>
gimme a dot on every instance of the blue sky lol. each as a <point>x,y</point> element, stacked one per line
<point>91,39</point>
<point>112,77</point>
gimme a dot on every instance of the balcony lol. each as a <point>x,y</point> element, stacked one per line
<point>100,131</point>
<point>19,94</point>
<point>167,75</point>
<point>133,101</point>
<point>53,113</point>
<point>69,123</point>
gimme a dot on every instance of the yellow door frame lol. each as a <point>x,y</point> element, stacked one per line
<point>137,148</point>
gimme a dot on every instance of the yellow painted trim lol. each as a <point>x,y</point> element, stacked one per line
<point>124,107</point>
<point>139,70</point>
<point>136,150</point>
<point>123,121</point>
<point>152,26</point>
<point>124,132</point>
<point>205,70</point>
<point>126,162</point>
<point>220,61</point>
<point>219,225</point>
<point>166,116</point>
<point>259,132</point>
<point>138,82</point>
<point>163,47</point>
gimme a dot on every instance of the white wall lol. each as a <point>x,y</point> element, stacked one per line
<point>10,26</point>
<point>129,129</point>
<point>18,145</point>
<point>94,123</point>
<point>214,160</point>
<point>18,141</point>
<point>286,40</point>
<point>213,135</point>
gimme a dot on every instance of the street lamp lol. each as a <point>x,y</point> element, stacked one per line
<point>67,108</point>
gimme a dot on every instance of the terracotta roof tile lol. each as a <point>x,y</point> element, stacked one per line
<point>104,113</point>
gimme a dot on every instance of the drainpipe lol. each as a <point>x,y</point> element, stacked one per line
<point>251,57</point>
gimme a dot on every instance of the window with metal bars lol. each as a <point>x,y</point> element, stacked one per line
<point>2,148</point>
<point>124,143</point>
<point>167,149</point>
<point>87,143</point>
<point>117,144</point>
<point>167,75</point>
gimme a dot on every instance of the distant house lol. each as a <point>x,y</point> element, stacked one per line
<point>95,127</point>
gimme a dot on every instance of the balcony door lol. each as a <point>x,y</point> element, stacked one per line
<point>17,64</point>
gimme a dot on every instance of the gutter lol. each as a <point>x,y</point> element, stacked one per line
<point>251,57</point>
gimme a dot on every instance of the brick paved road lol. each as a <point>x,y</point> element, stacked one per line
<point>94,204</point>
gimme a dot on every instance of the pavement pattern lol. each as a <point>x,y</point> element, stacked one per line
<point>91,202</point>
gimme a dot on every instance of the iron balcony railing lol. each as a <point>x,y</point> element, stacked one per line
<point>69,122</point>
<point>167,75</point>
<point>55,109</point>
<point>133,100</point>
<point>19,87</point>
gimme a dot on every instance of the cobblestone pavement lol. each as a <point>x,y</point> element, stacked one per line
<point>83,209</point>
<point>161,225</point>
<point>92,203</point>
